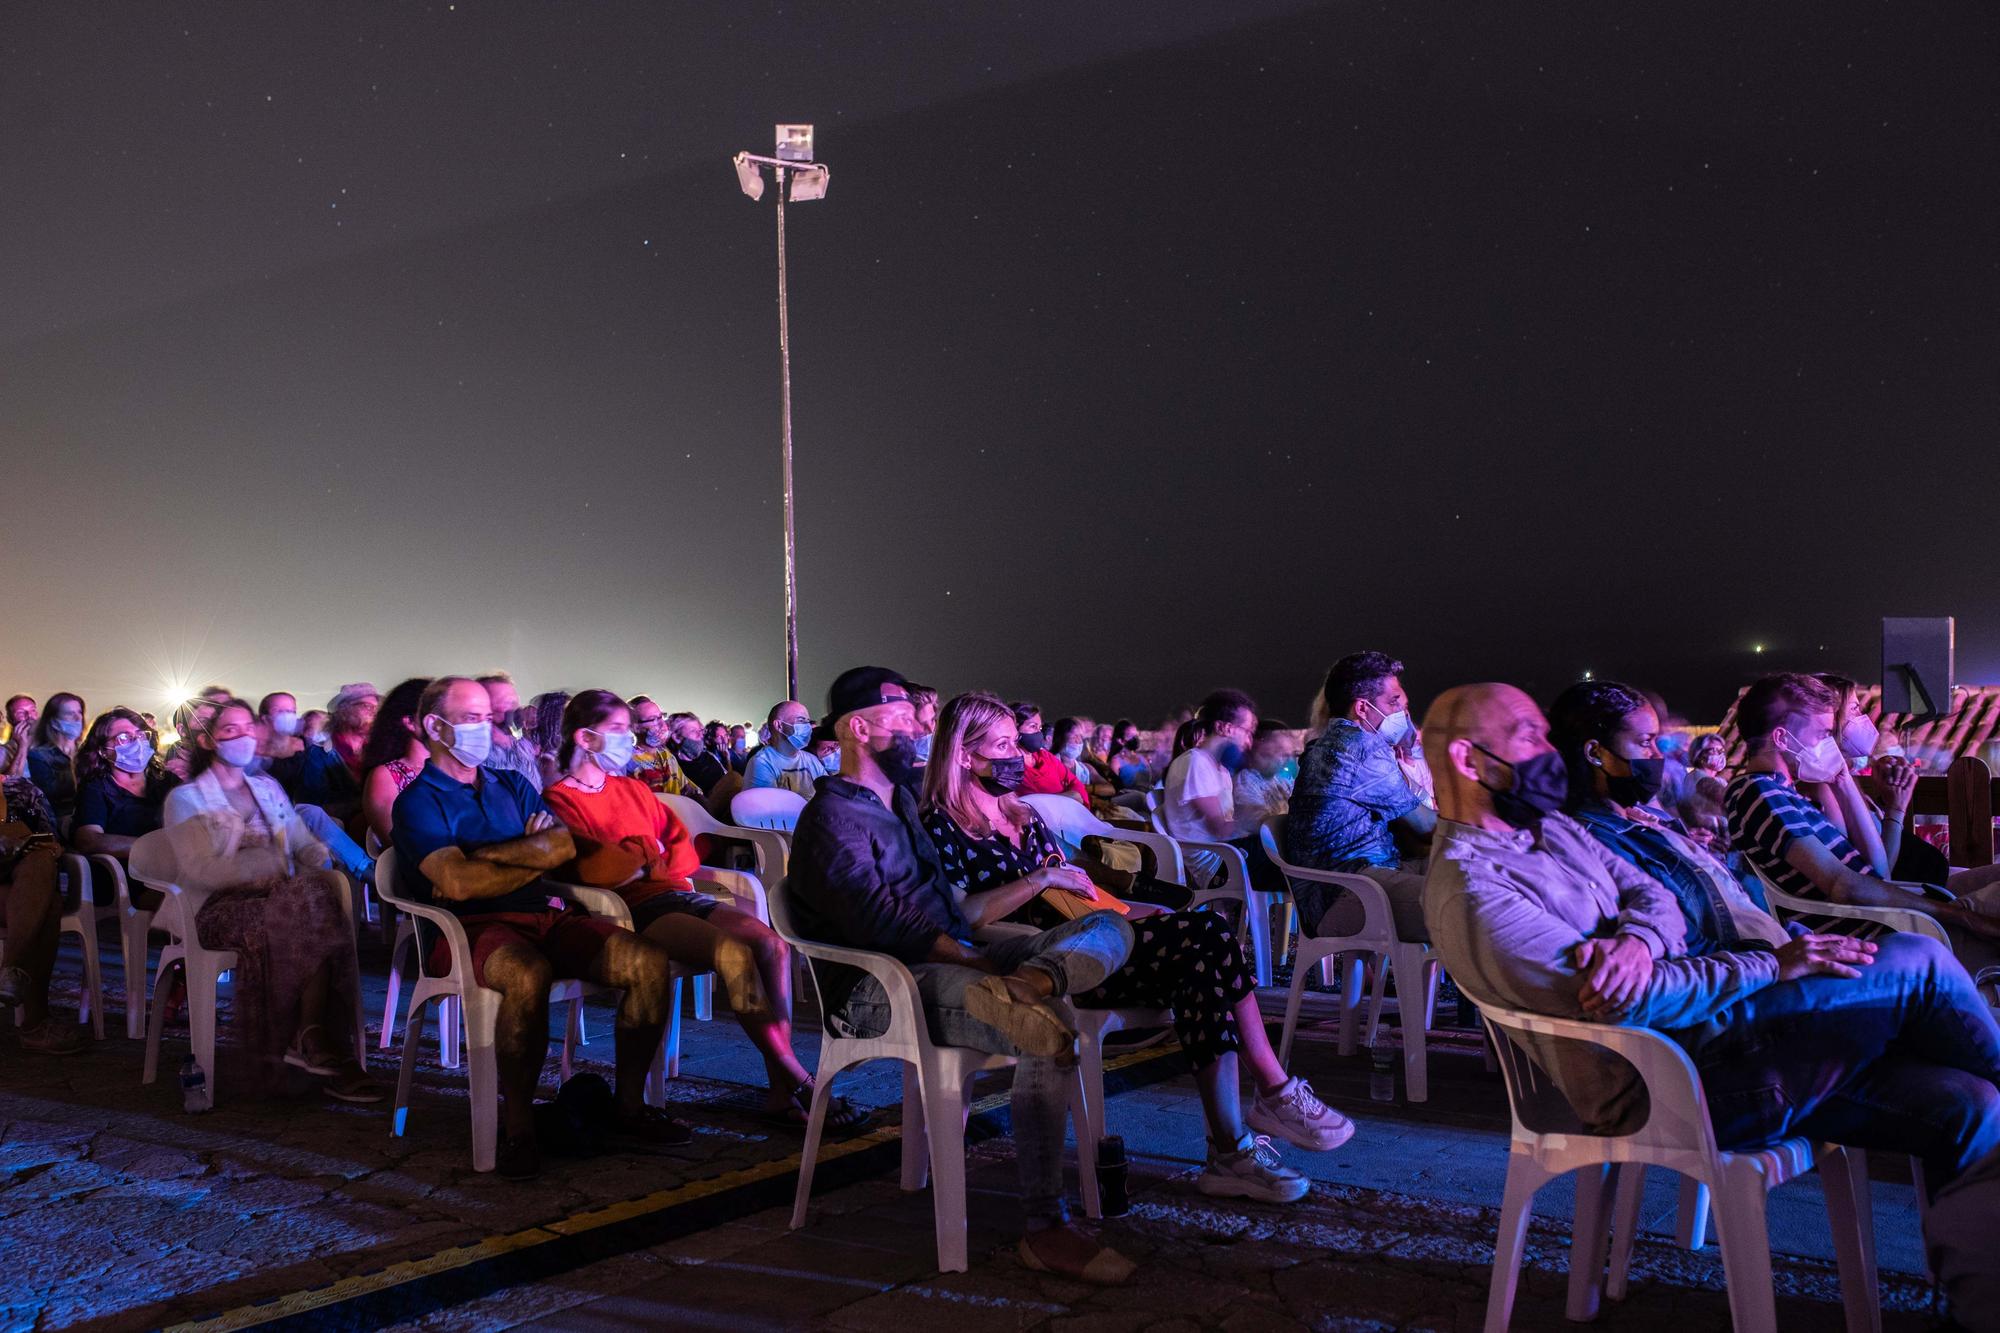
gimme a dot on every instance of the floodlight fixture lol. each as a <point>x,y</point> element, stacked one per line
<point>809,184</point>
<point>749,175</point>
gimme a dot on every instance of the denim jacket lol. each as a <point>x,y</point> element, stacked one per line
<point>1710,924</point>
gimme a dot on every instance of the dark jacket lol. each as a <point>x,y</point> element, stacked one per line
<point>867,877</point>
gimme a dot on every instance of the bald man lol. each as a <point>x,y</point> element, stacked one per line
<point>1827,1037</point>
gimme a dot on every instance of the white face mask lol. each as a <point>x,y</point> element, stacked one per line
<point>614,751</point>
<point>470,742</point>
<point>132,756</point>
<point>285,723</point>
<point>1858,737</point>
<point>1392,727</point>
<point>1822,763</point>
<point>237,751</point>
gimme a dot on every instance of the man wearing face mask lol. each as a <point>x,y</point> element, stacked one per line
<point>1047,774</point>
<point>788,761</point>
<point>1352,808</point>
<point>701,765</point>
<point>924,699</point>
<point>1788,726</point>
<point>1828,1038</point>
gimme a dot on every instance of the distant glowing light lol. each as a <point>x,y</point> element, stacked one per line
<point>1586,675</point>
<point>1756,647</point>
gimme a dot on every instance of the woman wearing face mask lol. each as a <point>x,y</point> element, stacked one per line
<point>392,756</point>
<point>1047,774</point>
<point>121,786</point>
<point>1607,734</point>
<point>274,902</point>
<point>629,842</point>
<point>51,759</point>
<point>1126,757</point>
<point>998,855</point>
<point>1702,794</point>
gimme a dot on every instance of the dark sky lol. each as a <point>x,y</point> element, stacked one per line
<point>1138,349</point>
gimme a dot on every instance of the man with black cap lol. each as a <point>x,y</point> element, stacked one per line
<point>866,875</point>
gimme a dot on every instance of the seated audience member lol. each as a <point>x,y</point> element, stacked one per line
<point>1264,784</point>
<point>1351,801</point>
<point>1000,861</point>
<point>1703,793</point>
<point>31,909</point>
<point>1126,757</point>
<point>787,761</point>
<point>513,747</point>
<point>20,718</point>
<point>51,759</point>
<point>1198,800</point>
<point>191,719</point>
<point>312,727</point>
<point>715,735</point>
<point>701,767</point>
<point>924,699</point>
<point>1608,736</point>
<point>655,761</point>
<point>1098,750</point>
<point>393,757</point>
<point>865,875</point>
<point>628,842</point>
<point>1827,1038</point>
<point>122,785</point>
<point>1046,773</point>
<point>826,748</point>
<point>541,731</point>
<point>330,777</point>
<point>476,842</point>
<point>739,747</point>
<point>1067,742</point>
<point>276,904</point>
<point>1787,724</point>
<point>278,715</point>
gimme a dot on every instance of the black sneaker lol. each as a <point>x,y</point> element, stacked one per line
<point>518,1159</point>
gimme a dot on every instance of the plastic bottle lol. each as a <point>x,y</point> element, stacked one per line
<point>194,1087</point>
<point>1111,1193</point>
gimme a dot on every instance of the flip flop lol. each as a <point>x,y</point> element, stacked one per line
<point>843,1117</point>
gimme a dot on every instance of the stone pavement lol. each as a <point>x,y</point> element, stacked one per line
<point>117,1210</point>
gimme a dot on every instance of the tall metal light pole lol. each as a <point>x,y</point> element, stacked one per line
<point>800,178</point>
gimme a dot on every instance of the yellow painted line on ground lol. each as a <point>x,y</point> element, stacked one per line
<point>444,1261</point>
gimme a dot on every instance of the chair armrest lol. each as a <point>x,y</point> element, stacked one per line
<point>1895,918</point>
<point>596,901</point>
<point>744,889</point>
<point>1673,1088</point>
<point>895,978</point>
<point>1376,917</point>
<point>121,888</point>
<point>773,850</point>
<point>1236,866</point>
<point>447,923</point>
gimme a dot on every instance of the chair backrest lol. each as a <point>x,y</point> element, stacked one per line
<point>1070,821</point>
<point>385,873</point>
<point>779,899</point>
<point>152,858</point>
<point>767,807</point>
<point>1272,834</point>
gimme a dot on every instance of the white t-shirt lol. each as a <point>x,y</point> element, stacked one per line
<point>1189,778</point>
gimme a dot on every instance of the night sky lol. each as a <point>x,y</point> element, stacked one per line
<point>1138,349</point>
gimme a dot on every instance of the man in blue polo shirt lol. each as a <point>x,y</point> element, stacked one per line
<point>476,842</point>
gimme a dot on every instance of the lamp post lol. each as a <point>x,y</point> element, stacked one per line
<point>801,179</point>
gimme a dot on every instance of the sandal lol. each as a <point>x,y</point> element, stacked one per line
<point>313,1056</point>
<point>843,1118</point>
<point>351,1083</point>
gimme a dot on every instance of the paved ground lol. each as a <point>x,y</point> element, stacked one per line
<point>117,1210</point>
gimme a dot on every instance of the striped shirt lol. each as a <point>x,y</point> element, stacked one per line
<point>1767,814</point>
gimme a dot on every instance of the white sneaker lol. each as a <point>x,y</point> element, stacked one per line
<point>1293,1113</point>
<point>1253,1171</point>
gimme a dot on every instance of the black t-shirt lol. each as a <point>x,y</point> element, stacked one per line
<point>101,801</point>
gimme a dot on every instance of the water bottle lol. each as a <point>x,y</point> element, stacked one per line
<point>1382,1070</point>
<point>1111,1196</point>
<point>194,1087</point>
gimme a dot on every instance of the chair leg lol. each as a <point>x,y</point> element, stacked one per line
<point>1293,1002</point>
<point>1691,1221</point>
<point>450,1022</point>
<point>916,1155</point>
<point>944,1126</point>
<point>1745,1240</point>
<point>1429,967</point>
<point>1350,999</point>
<point>92,1006</point>
<point>134,938</point>
<point>1086,1088</point>
<point>203,978</point>
<point>395,987</point>
<point>1850,1214</point>
<point>156,1022</point>
<point>482,1068</point>
<point>1624,1227</point>
<point>1589,1241</point>
<point>413,1031</point>
<point>572,1029</point>
<point>673,1040</point>
<point>1378,997</point>
<point>1517,1209</point>
<point>1257,923</point>
<point>809,1154</point>
<point>1411,969</point>
<point>704,998</point>
<point>1923,1192</point>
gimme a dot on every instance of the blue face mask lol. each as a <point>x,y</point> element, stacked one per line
<point>1288,771</point>
<point>799,734</point>
<point>924,749</point>
<point>67,728</point>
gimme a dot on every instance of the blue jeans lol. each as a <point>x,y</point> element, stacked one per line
<point>1902,1059</point>
<point>347,853</point>
<point>1077,955</point>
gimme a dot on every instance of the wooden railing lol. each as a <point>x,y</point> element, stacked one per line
<point>1966,796</point>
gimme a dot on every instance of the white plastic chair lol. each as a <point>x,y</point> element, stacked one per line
<point>81,921</point>
<point>934,1092</point>
<point>1787,907</point>
<point>772,848</point>
<point>153,864</point>
<point>1234,887</point>
<point>1548,1141</point>
<point>743,890</point>
<point>1415,966</point>
<point>111,896</point>
<point>1070,822</point>
<point>767,808</point>
<point>479,1005</point>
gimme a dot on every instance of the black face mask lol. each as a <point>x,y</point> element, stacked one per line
<point>1007,775</point>
<point>1541,784</point>
<point>900,763</point>
<point>689,749</point>
<point>1034,741</point>
<point>1639,786</point>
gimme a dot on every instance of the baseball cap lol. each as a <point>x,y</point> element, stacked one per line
<point>861,687</point>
